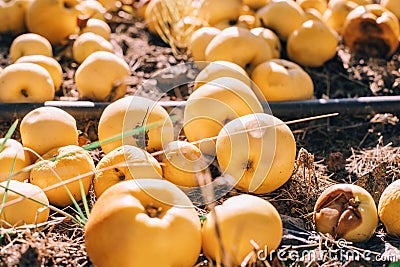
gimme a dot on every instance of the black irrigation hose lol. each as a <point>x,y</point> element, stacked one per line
<point>85,110</point>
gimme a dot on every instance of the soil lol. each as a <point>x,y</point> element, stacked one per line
<point>362,150</point>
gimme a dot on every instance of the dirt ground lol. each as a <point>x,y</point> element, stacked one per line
<point>362,150</point>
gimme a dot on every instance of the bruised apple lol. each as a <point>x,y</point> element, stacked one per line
<point>143,222</point>
<point>346,211</point>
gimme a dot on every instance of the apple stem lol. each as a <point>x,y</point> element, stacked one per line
<point>153,211</point>
<point>24,93</point>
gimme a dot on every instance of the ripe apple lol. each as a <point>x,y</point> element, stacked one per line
<point>301,44</point>
<point>30,44</point>
<point>31,210</point>
<point>12,16</point>
<point>240,46</point>
<point>131,112</point>
<point>258,151</point>
<point>283,80</point>
<point>63,164</point>
<point>13,157</point>
<point>346,211</point>
<point>214,11</point>
<point>281,16</point>
<point>49,63</point>
<point>180,163</point>
<point>271,38</point>
<point>46,128</point>
<point>97,26</point>
<point>143,222</point>
<point>91,9</point>
<point>200,40</point>
<point>56,20</point>
<point>241,219</point>
<point>95,81</point>
<point>124,163</point>
<point>336,14</point>
<point>25,82</point>
<point>219,69</point>
<point>213,105</point>
<point>372,30</point>
<point>88,43</point>
<point>392,5</point>
<point>313,14</point>
<point>388,208</point>
<point>256,4</point>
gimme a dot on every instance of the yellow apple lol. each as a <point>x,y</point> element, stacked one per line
<point>346,211</point>
<point>336,14</point>
<point>219,69</point>
<point>240,46</point>
<point>88,43</point>
<point>12,16</point>
<point>56,20</point>
<point>248,21</point>
<point>64,164</point>
<point>258,151</point>
<point>271,38</point>
<point>256,4</point>
<point>200,40</point>
<point>393,6</point>
<point>124,163</point>
<point>97,26</point>
<point>180,163</point>
<point>241,220</point>
<point>320,5</point>
<point>30,44</point>
<point>301,44</point>
<point>143,222</point>
<point>213,105</point>
<point>31,210</point>
<point>49,63</point>
<point>362,2</point>
<point>223,24</point>
<point>214,11</point>
<point>46,128</point>
<point>13,157</point>
<point>132,112</point>
<point>313,14</point>
<point>91,9</point>
<point>372,30</point>
<point>283,80</point>
<point>281,16</point>
<point>389,208</point>
<point>95,81</point>
<point>25,82</point>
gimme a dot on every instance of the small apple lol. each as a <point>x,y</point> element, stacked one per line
<point>30,210</point>
<point>281,16</point>
<point>240,220</point>
<point>200,40</point>
<point>372,30</point>
<point>13,157</point>
<point>346,211</point>
<point>180,163</point>
<point>240,46</point>
<point>389,207</point>
<point>131,112</point>
<point>219,69</point>
<point>46,128</point>
<point>392,5</point>
<point>12,16</point>
<point>301,44</point>
<point>271,38</point>
<point>124,163</point>
<point>143,222</point>
<point>95,81</point>
<point>25,82</point>
<point>56,20</point>
<point>258,151</point>
<point>88,43</point>
<point>97,26</point>
<point>214,11</point>
<point>30,44</point>
<point>336,14</point>
<point>256,4</point>
<point>283,80</point>
<point>49,63</point>
<point>213,105</point>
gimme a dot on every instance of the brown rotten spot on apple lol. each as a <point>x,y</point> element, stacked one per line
<point>336,212</point>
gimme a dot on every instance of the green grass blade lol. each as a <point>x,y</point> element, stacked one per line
<point>84,200</point>
<point>9,133</point>
<point>8,184</point>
